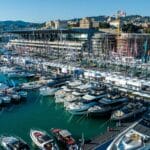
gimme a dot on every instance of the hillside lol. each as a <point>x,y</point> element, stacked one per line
<point>17,25</point>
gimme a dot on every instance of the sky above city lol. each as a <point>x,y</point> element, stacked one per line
<point>44,10</point>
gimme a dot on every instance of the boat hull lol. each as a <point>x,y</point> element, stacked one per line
<point>129,116</point>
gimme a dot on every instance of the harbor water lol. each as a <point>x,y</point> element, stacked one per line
<point>43,113</point>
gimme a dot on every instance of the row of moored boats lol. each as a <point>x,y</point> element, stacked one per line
<point>93,99</point>
<point>41,139</point>
<point>10,96</point>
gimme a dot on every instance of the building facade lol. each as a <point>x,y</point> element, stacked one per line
<point>132,44</point>
<point>58,24</point>
<point>103,44</point>
<point>86,23</point>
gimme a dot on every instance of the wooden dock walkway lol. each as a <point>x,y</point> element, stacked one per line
<point>96,142</point>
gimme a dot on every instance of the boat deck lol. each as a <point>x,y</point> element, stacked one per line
<point>98,142</point>
<point>142,129</point>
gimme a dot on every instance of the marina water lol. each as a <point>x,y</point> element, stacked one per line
<point>42,112</point>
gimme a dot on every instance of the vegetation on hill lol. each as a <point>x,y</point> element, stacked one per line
<point>18,25</point>
<point>130,28</point>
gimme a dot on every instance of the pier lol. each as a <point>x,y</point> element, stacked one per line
<point>102,141</point>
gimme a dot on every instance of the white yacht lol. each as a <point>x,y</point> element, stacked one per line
<point>13,143</point>
<point>136,137</point>
<point>48,91</point>
<point>77,93</point>
<point>66,90</point>
<point>15,97</point>
<point>79,108</point>
<point>23,95</point>
<point>31,85</point>
<point>60,94</point>
<point>42,140</point>
<point>74,83</point>
<point>6,100</point>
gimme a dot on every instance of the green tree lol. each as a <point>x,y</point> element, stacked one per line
<point>130,28</point>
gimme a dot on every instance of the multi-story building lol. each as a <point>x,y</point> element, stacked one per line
<point>50,25</point>
<point>58,24</point>
<point>58,43</point>
<point>85,23</point>
<point>85,42</point>
<point>132,44</point>
<point>95,24</point>
<point>103,44</point>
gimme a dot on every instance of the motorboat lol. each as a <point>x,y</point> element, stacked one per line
<point>114,100</point>
<point>59,80</point>
<point>15,97</point>
<point>77,93</point>
<point>98,86</point>
<point>62,93</point>
<point>54,85</point>
<point>48,91</point>
<point>13,143</point>
<point>74,84</point>
<point>106,105</point>
<point>92,96</point>
<point>14,75</point>
<point>79,108</point>
<point>42,140</point>
<point>27,75</point>
<point>128,112</point>
<point>102,109</point>
<point>31,85</point>
<point>64,137</point>
<point>6,100</point>
<point>99,110</point>
<point>23,94</point>
<point>59,95</point>
<point>70,98</point>
<point>68,88</point>
<point>6,69</point>
<point>136,137</point>
<point>74,96</point>
<point>62,77</point>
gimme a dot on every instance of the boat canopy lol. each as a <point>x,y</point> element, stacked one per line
<point>86,86</point>
<point>74,84</point>
<point>76,93</point>
<point>89,97</point>
<point>65,133</point>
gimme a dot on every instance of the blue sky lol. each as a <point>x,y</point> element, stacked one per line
<point>44,10</point>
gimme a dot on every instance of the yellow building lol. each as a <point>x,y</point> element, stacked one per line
<point>85,23</point>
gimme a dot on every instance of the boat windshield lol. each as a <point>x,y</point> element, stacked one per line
<point>44,138</point>
<point>64,133</point>
<point>18,145</point>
